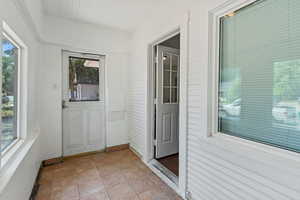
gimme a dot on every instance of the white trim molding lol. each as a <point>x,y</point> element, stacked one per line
<point>22,92</point>
<point>183,28</point>
<point>214,31</point>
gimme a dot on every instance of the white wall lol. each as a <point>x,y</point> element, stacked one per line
<point>66,34</point>
<point>20,178</point>
<point>35,11</point>
<point>218,167</point>
<point>19,172</point>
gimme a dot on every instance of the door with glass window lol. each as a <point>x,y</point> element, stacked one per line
<point>167,101</point>
<point>83,103</point>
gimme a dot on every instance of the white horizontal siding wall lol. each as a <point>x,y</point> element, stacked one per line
<point>137,105</point>
<point>219,168</point>
<point>137,125</point>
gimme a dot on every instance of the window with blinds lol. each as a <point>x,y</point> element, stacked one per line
<point>259,74</point>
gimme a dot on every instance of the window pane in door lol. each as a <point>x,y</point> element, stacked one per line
<point>166,95</point>
<point>10,55</point>
<point>166,61</point>
<point>166,69</point>
<point>175,62</point>
<point>83,79</point>
<point>166,77</point>
<point>174,78</point>
<point>259,86</point>
<point>174,95</point>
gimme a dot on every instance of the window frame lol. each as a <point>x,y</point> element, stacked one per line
<point>22,86</point>
<point>215,16</point>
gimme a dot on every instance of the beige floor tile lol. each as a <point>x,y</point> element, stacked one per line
<point>89,187</point>
<point>114,179</point>
<point>90,174</point>
<point>108,170</point>
<point>46,176</point>
<point>155,194</point>
<point>44,192</point>
<point>63,181</point>
<point>104,176</point>
<point>85,166</point>
<point>66,192</point>
<point>63,172</point>
<point>142,185</point>
<point>42,197</point>
<point>95,196</point>
<point>45,189</point>
<point>121,192</point>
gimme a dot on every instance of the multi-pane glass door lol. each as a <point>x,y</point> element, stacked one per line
<point>170,77</point>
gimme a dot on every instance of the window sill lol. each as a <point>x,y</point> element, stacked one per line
<point>13,158</point>
<point>256,146</point>
<point>10,151</point>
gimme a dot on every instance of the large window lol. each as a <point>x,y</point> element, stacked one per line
<point>259,73</point>
<point>10,58</point>
<point>12,94</point>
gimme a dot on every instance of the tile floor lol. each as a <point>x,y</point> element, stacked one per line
<point>105,176</point>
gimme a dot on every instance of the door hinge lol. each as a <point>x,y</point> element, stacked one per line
<point>155,142</point>
<point>155,101</point>
<point>156,59</point>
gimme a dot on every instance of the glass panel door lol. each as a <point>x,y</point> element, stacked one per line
<point>170,77</point>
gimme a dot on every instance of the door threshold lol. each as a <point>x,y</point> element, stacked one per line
<point>165,174</point>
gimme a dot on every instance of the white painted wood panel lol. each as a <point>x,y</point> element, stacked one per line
<point>95,129</point>
<point>73,123</point>
<point>84,129</point>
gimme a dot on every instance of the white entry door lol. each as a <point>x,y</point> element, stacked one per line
<point>83,103</point>
<point>167,101</point>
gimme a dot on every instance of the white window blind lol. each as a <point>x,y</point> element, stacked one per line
<point>259,75</point>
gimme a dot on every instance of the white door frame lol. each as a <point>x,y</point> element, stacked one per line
<point>182,28</point>
<point>105,92</point>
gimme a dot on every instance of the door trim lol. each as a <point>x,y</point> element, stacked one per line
<point>183,28</point>
<point>84,53</point>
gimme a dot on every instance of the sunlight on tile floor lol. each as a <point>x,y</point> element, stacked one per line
<point>104,176</point>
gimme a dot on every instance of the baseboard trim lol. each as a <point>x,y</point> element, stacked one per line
<point>136,152</point>
<point>36,185</point>
<point>117,148</point>
<point>82,154</point>
<point>58,160</point>
<point>52,161</point>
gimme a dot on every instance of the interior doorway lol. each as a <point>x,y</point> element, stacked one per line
<point>166,106</point>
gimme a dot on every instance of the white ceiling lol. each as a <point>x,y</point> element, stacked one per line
<point>122,14</point>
